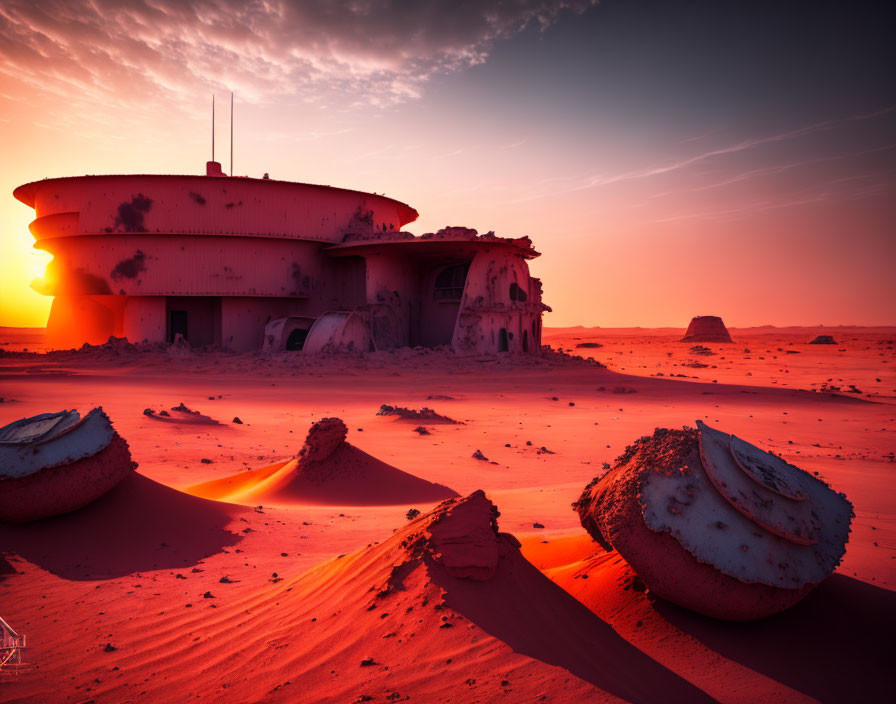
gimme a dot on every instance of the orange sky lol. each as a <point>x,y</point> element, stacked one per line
<point>661,174</point>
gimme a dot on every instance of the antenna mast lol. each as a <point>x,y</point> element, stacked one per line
<point>213,126</point>
<point>231,133</point>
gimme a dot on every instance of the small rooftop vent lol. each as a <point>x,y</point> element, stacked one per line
<point>213,168</point>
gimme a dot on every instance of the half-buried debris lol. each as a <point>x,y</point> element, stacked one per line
<point>717,525</point>
<point>426,415</point>
<point>181,414</point>
<point>54,463</point>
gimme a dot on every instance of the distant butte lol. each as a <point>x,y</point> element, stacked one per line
<point>707,328</point>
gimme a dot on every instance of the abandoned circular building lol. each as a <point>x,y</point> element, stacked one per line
<point>245,263</point>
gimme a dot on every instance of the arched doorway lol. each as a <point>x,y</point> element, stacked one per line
<point>441,303</point>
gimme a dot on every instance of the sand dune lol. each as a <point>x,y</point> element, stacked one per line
<point>328,471</point>
<point>446,609</point>
<point>134,574</point>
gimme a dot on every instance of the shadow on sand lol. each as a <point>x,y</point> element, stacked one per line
<point>836,645</point>
<point>139,525</point>
<point>537,618</point>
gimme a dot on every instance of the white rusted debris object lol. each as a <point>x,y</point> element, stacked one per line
<point>717,525</point>
<point>54,463</point>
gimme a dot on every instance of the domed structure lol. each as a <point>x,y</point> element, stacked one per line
<point>216,259</point>
<point>716,525</point>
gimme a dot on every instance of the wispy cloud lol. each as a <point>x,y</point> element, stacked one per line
<point>333,53</point>
<point>781,168</point>
<point>850,188</point>
<point>581,183</point>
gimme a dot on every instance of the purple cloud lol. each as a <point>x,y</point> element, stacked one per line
<point>135,53</point>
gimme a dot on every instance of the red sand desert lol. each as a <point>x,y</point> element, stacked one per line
<point>154,594</point>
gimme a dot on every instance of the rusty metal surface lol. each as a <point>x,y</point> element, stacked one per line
<point>201,205</point>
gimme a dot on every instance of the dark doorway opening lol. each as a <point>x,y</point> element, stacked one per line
<point>177,324</point>
<point>503,342</point>
<point>525,340</point>
<point>443,289</point>
<point>296,340</point>
<point>197,318</point>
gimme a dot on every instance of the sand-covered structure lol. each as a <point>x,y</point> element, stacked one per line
<point>245,263</point>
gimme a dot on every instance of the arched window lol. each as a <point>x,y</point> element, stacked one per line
<point>449,285</point>
<point>517,293</point>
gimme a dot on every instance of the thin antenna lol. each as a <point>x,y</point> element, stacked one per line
<point>231,133</point>
<point>213,126</point>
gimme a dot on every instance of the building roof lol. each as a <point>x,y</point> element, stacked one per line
<point>430,246</point>
<point>27,192</point>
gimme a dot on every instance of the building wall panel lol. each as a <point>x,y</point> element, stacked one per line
<point>148,265</point>
<point>197,205</point>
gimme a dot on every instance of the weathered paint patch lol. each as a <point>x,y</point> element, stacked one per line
<point>130,268</point>
<point>130,215</point>
<point>197,198</point>
<point>302,281</point>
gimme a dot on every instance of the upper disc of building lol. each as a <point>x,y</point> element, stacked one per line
<point>213,204</point>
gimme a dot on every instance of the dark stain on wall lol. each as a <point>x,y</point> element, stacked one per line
<point>129,268</point>
<point>302,281</point>
<point>130,215</point>
<point>77,282</point>
<point>197,198</point>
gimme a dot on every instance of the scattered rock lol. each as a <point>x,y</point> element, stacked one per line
<point>323,438</point>
<point>479,456</point>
